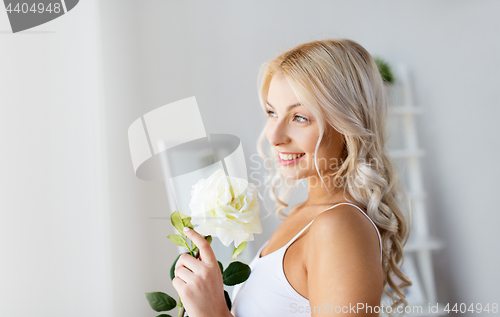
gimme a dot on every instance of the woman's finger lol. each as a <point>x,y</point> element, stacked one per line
<point>184,274</point>
<point>179,285</point>
<point>206,253</point>
<point>190,262</point>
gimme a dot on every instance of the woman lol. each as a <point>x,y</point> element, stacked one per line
<point>336,252</point>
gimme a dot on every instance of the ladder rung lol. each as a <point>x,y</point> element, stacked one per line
<point>423,243</point>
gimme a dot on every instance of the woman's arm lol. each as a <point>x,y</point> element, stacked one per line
<point>343,264</point>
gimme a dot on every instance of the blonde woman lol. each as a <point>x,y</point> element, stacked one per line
<point>338,251</point>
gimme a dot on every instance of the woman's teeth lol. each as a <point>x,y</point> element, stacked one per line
<point>287,157</point>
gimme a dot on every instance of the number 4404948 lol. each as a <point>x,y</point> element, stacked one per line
<point>34,8</point>
<point>472,308</point>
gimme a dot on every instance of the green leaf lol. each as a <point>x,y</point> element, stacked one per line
<point>160,301</point>
<point>177,222</point>
<point>163,315</point>
<point>236,273</point>
<point>183,215</point>
<point>186,220</point>
<point>221,267</point>
<point>228,299</point>
<point>194,248</point>
<point>385,70</point>
<point>177,239</point>
<point>209,239</point>
<point>238,250</point>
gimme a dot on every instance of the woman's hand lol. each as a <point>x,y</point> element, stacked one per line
<point>199,281</point>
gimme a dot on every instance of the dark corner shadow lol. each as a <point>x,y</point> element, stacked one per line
<point>25,32</point>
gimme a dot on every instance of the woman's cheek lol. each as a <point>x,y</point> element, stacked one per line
<point>307,142</point>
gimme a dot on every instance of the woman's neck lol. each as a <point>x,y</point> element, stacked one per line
<point>320,195</point>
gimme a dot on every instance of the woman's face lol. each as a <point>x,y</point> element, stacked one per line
<point>293,132</point>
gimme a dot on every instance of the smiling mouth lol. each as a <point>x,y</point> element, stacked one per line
<point>290,157</point>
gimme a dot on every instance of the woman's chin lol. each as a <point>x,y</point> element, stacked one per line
<point>294,175</point>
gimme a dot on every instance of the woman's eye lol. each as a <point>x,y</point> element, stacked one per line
<point>270,113</point>
<point>301,119</point>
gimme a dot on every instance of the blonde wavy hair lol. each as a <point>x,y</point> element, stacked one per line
<point>339,82</point>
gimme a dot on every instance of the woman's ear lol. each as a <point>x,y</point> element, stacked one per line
<point>335,136</point>
<point>345,152</point>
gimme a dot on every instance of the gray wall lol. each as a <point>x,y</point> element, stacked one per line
<point>54,236</point>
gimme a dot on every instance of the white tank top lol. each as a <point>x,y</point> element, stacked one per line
<point>267,292</point>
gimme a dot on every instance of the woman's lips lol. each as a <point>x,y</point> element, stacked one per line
<point>289,162</point>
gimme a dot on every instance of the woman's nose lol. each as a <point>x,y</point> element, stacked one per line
<point>278,133</point>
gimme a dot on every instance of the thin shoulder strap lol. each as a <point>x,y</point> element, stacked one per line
<point>296,236</point>
<point>301,231</point>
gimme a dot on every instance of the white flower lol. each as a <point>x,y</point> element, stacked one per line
<point>220,212</point>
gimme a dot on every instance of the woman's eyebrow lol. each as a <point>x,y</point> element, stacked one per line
<point>288,108</point>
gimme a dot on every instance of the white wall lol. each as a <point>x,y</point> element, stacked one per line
<point>53,236</point>
<point>141,254</point>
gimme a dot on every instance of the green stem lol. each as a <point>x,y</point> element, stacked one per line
<point>187,246</point>
<point>180,312</point>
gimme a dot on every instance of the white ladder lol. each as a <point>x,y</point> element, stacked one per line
<point>406,153</point>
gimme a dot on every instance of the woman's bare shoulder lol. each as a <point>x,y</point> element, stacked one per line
<point>343,229</point>
<point>312,210</point>
<point>343,259</point>
<point>339,216</point>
